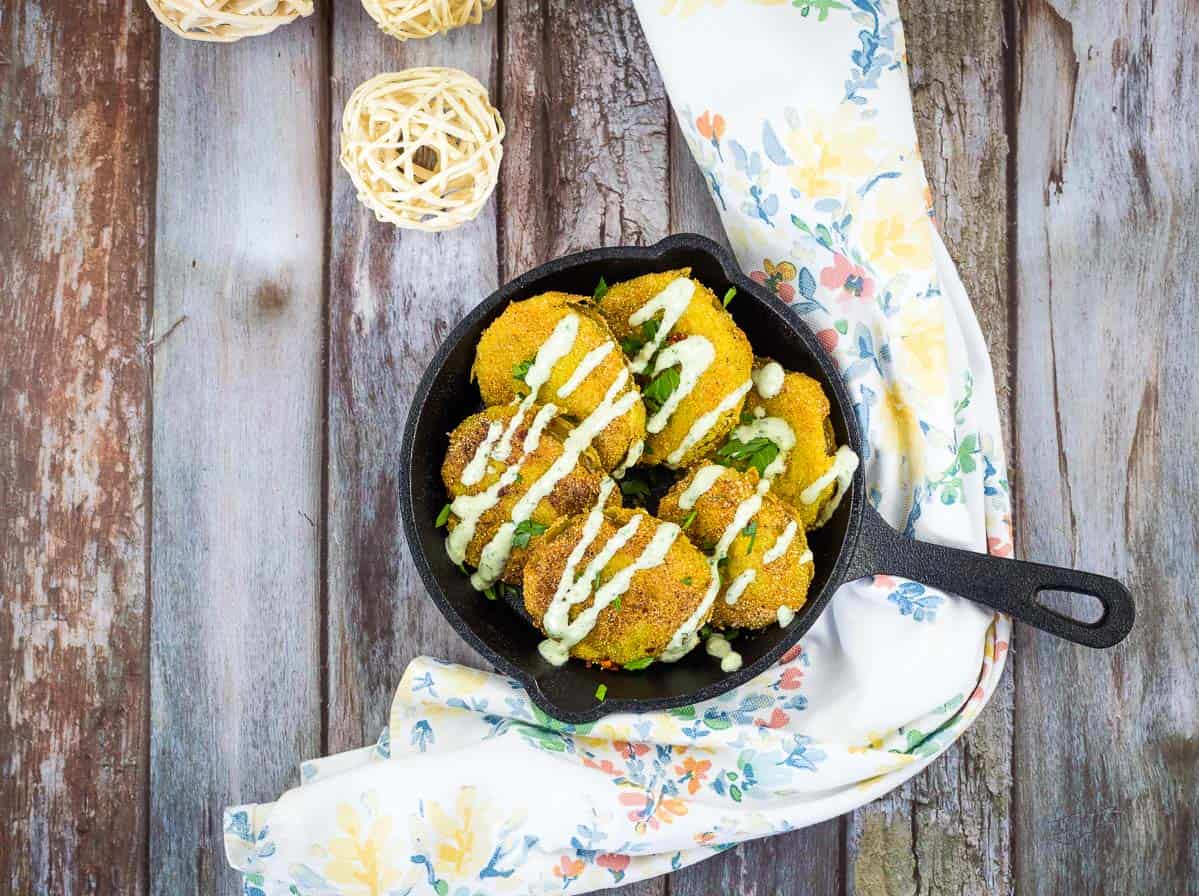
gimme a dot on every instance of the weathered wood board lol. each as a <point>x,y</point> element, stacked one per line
<point>238,429</point>
<point>1107,262</point>
<point>74,310</point>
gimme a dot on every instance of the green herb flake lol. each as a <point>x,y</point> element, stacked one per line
<point>601,692</point>
<point>525,530</point>
<point>601,290</point>
<point>751,532</point>
<point>617,604</point>
<point>728,296</point>
<point>632,344</point>
<point>690,519</point>
<point>444,516</point>
<point>758,452</point>
<point>642,663</point>
<point>687,580</point>
<point>490,594</point>
<point>747,417</point>
<point>661,388</point>
<point>635,489</point>
<point>521,370</point>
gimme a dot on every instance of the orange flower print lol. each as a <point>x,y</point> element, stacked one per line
<point>778,719</point>
<point>648,814</point>
<point>792,678</point>
<point>615,862</point>
<point>694,772</point>
<point>849,280</point>
<point>569,869</point>
<point>776,277</point>
<point>711,127</point>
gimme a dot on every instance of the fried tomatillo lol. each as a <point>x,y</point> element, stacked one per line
<point>505,491</point>
<point>583,368</point>
<point>756,540</point>
<point>692,361</point>
<point>785,434</point>
<point>614,587</point>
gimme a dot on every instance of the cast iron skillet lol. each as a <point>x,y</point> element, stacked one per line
<point>855,543</point>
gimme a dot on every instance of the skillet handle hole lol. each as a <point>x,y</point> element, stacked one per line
<point>1085,609</point>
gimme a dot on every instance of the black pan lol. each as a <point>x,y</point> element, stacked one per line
<point>857,542</point>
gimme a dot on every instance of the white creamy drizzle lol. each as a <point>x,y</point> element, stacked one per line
<point>685,637</point>
<point>719,647</point>
<point>705,477</point>
<point>806,557</point>
<point>653,554</point>
<point>494,556</point>
<point>777,430</point>
<point>738,585</point>
<point>759,412</point>
<point>785,616</point>
<point>693,355</point>
<point>630,459</point>
<point>769,379</point>
<point>553,350</point>
<point>845,462</point>
<point>704,424</point>
<point>478,464</point>
<point>780,544</point>
<point>672,302</point>
<point>590,361</point>
<point>580,438</point>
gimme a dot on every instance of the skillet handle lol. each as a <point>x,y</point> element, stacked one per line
<point>1008,585</point>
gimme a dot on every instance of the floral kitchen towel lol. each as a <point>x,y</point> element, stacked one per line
<point>799,115</point>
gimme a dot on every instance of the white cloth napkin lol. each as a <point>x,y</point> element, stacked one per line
<point>800,116</point>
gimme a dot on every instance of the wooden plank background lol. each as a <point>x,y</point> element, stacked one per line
<point>208,345</point>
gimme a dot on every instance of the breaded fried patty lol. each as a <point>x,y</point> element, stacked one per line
<point>704,332</point>
<point>768,574</point>
<point>508,347</point>
<point>641,620</point>
<point>796,420</point>
<point>574,493</point>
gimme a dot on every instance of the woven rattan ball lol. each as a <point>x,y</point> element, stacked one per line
<point>225,21</point>
<point>423,147</point>
<point>403,19</point>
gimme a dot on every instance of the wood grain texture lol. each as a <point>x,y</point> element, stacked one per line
<point>76,174</point>
<point>237,438</point>
<point>394,295</point>
<point>948,830</point>
<point>1107,252</point>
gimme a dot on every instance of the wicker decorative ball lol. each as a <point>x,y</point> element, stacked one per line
<point>225,21</point>
<point>423,147</point>
<point>403,19</point>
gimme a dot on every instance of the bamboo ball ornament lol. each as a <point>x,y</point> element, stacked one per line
<point>403,19</point>
<point>225,21</point>
<point>423,147</point>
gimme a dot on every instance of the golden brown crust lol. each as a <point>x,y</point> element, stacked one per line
<point>514,339</point>
<point>575,493</point>
<point>705,316</point>
<point>782,582</point>
<point>658,600</point>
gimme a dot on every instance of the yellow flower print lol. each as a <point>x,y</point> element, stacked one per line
<point>900,429</point>
<point>686,8</point>
<point>463,835</point>
<point>360,861</point>
<point>895,230</point>
<point>923,357</point>
<point>826,154</point>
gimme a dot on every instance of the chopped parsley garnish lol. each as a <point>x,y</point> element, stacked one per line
<point>661,388</point>
<point>637,490</point>
<point>759,453</point>
<point>633,343</point>
<point>521,370</point>
<point>728,296</point>
<point>444,516</point>
<point>638,664</point>
<point>490,593</point>
<point>686,581</point>
<point>690,519</point>
<point>751,532</point>
<point>747,416</point>
<point>601,290</point>
<point>617,604</point>
<point>525,530</point>
<point>601,692</point>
